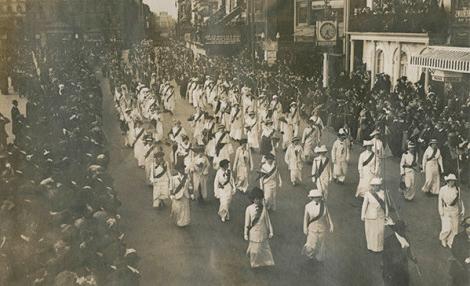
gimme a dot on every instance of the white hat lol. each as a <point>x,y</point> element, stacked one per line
<point>320,149</point>
<point>341,131</point>
<point>315,193</point>
<point>375,132</point>
<point>375,181</point>
<point>367,143</point>
<point>450,177</point>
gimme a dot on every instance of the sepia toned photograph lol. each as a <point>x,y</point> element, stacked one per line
<point>234,142</point>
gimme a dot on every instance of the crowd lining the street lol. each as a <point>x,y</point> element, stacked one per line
<point>260,108</point>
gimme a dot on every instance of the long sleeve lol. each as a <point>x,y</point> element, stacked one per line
<point>439,203</point>
<point>268,221</point>
<point>247,221</point>
<point>359,164</point>
<point>251,159</point>
<point>304,135</point>
<point>439,160</point>
<point>306,219</point>
<point>425,159</point>
<point>333,153</point>
<point>365,204</point>
<point>235,161</point>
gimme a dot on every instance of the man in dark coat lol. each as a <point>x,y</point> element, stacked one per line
<point>395,257</point>
<point>460,265</point>
<point>15,118</point>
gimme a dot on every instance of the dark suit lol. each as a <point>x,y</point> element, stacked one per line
<point>395,263</point>
<point>459,270</point>
<point>16,119</point>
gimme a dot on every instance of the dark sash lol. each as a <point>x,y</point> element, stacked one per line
<point>321,168</point>
<point>181,185</point>
<point>257,217</point>
<point>219,145</point>
<point>454,202</point>
<point>267,175</point>
<point>138,136</point>
<point>171,94</point>
<point>432,155</point>
<point>379,200</point>
<point>413,164</point>
<point>235,115</point>
<point>177,132</point>
<point>320,214</point>
<point>162,173</point>
<point>226,182</point>
<point>367,161</point>
<point>217,108</point>
<point>149,151</point>
<point>199,117</point>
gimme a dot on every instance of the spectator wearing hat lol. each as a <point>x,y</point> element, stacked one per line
<point>197,166</point>
<point>373,214</point>
<point>242,165</point>
<point>340,156</point>
<point>160,179</point>
<point>408,168</point>
<point>16,119</point>
<point>367,167</point>
<point>460,264</point>
<point>317,222</point>
<point>293,159</point>
<point>433,168</point>
<point>252,129</point>
<point>224,189</point>
<point>236,122</point>
<point>450,206</point>
<point>258,230</point>
<point>395,256</point>
<point>310,140</point>
<point>270,181</point>
<point>321,170</point>
<point>180,195</point>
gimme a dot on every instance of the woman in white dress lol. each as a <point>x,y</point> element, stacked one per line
<point>242,165</point>
<point>160,178</point>
<point>224,189</point>
<point>374,213</point>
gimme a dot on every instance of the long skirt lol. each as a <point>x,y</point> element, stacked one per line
<point>160,191</point>
<point>270,194</point>
<point>253,139</point>
<point>375,233</point>
<point>409,180</point>
<point>242,178</point>
<point>339,170</point>
<point>180,212</point>
<point>433,179</point>
<point>363,186</point>
<point>224,208</point>
<point>314,248</point>
<point>449,226</point>
<point>308,153</point>
<point>260,254</point>
<point>200,186</point>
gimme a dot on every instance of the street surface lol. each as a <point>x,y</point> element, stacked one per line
<point>209,252</point>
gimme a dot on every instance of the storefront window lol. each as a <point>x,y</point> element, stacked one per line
<point>379,62</point>
<point>302,13</point>
<point>403,64</point>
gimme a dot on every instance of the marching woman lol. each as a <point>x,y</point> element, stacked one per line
<point>258,230</point>
<point>373,214</point>
<point>310,140</point>
<point>451,207</point>
<point>367,167</point>
<point>432,167</point>
<point>160,178</point>
<point>224,189</point>
<point>270,181</point>
<point>242,165</point>
<point>181,193</point>
<point>252,130</point>
<point>198,168</point>
<point>236,122</point>
<point>317,222</point>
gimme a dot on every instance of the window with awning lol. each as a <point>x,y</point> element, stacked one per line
<point>444,58</point>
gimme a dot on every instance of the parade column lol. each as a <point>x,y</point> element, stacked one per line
<point>325,70</point>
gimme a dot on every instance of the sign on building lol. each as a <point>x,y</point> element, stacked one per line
<point>222,39</point>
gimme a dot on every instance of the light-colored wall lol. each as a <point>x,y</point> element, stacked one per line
<point>390,51</point>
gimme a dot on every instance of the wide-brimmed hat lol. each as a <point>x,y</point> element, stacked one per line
<point>466,222</point>
<point>376,182</point>
<point>295,139</point>
<point>224,162</point>
<point>411,145</point>
<point>450,177</point>
<point>315,194</point>
<point>220,127</point>
<point>341,132</point>
<point>375,132</point>
<point>433,141</point>
<point>320,149</point>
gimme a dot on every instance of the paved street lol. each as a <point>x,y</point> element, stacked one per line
<point>209,252</point>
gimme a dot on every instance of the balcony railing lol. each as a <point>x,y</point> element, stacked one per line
<point>433,21</point>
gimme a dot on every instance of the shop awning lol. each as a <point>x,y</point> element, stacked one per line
<point>453,59</point>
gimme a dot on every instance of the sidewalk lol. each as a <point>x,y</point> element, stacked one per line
<point>5,109</point>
